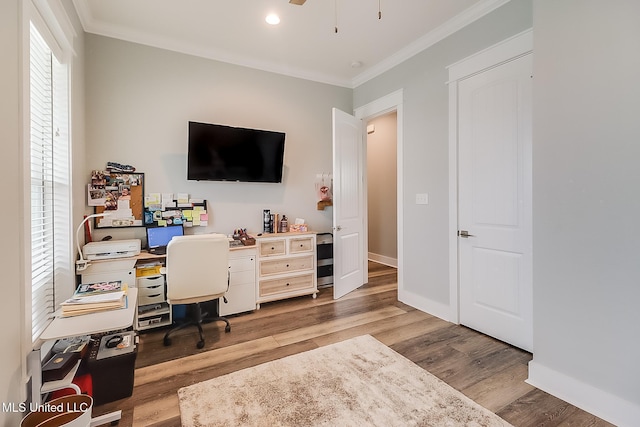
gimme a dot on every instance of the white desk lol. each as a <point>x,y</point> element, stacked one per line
<point>94,323</point>
<point>87,324</point>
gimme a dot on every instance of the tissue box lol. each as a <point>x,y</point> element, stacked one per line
<point>298,227</point>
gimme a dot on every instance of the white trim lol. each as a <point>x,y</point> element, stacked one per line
<point>58,22</point>
<point>585,396</point>
<point>473,13</point>
<point>383,259</point>
<point>504,51</point>
<point>392,102</point>
<point>434,308</point>
<point>509,49</point>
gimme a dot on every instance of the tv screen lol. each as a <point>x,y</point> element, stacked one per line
<point>225,153</point>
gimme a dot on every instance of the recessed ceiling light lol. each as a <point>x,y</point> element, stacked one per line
<point>272,19</point>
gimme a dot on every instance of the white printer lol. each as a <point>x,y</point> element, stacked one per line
<point>110,249</point>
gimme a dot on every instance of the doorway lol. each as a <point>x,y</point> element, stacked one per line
<point>391,104</point>
<point>382,189</point>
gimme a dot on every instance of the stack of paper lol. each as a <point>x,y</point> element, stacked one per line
<point>83,302</point>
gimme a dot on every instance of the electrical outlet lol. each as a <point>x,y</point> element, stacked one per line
<point>422,199</point>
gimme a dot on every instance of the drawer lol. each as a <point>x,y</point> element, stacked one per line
<point>272,247</point>
<point>242,264</point>
<point>150,290</point>
<point>288,284</point>
<point>240,298</point>
<point>302,244</point>
<point>242,277</point>
<point>150,281</point>
<point>286,265</point>
<point>153,298</point>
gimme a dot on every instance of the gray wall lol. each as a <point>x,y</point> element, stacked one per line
<point>382,189</point>
<point>425,147</point>
<point>140,100</point>
<point>586,196</point>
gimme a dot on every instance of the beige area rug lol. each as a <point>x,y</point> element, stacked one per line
<point>357,382</point>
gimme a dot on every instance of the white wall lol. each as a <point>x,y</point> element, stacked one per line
<point>382,189</point>
<point>140,100</point>
<point>586,205</point>
<point>10,250</point>
<point>425,148</point>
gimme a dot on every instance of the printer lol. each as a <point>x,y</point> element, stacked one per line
<point>110,249</point>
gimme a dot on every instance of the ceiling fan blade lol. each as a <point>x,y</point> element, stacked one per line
<point>298,2</point>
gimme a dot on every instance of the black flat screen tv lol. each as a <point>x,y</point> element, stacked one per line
<point>225,153</point>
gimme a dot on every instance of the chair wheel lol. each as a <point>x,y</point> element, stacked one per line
<point>200,344</point>
<point>227,328</point>
<point>167,341</point>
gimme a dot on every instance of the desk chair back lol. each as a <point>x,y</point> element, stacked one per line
<point>197,268</point>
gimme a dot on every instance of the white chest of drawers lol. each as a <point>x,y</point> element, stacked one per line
<point>286,266</point>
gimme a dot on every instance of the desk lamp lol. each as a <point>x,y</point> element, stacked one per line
<point>82,263</point>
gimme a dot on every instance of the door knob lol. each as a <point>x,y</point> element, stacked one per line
<point>465,234</point>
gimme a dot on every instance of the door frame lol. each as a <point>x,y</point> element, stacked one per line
<point>512,48</point>
<point>387,104</point>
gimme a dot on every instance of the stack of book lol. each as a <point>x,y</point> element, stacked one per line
<point>95,297</point>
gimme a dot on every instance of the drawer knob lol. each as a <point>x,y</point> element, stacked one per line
<point>272,248</point>
<point>287,284</point>
<point>287,265</point>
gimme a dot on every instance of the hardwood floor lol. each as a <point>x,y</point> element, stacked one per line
<point>488,371</point>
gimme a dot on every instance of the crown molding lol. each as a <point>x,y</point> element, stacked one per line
<point>458,22</point>
<point>440,33</point>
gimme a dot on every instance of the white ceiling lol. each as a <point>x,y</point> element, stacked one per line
<point>303,45</point>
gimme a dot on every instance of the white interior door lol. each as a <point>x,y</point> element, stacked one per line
<point>494,202</point>
<point>349,214</point>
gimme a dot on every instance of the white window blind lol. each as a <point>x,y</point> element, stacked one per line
<point>49,174</point>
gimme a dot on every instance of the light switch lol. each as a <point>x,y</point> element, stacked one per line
<point>422,199</point>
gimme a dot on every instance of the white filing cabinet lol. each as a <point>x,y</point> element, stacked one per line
<point>153,309</point>
<point>286,266</point>
<point>241,295</point>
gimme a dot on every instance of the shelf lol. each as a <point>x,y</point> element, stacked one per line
<point>145,311</point>
<point>324,203</point>
<point>66,382</point>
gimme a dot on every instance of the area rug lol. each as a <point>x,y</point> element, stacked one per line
<point>357,382</point>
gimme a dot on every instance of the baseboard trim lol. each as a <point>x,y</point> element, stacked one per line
<point>438,309</point>
<point>591,399</point>
<point>391,262</point>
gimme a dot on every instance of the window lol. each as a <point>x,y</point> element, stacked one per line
<point>49,166</point>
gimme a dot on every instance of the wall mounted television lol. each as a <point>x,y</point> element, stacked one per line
<point>225,153</point>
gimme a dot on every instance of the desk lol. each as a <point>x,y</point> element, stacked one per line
<point>87,324</point>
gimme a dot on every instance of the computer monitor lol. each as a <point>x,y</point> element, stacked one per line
<point>159,237</point>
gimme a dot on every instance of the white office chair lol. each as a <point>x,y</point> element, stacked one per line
<point>197,269</point>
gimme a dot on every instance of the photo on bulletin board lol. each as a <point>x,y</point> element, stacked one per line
<point>119,192</point>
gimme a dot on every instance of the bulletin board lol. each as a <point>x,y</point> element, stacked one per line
<point>121,192</point>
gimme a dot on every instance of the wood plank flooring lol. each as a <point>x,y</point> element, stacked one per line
<point>488,371</point>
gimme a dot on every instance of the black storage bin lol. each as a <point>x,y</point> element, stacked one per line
<point>112,368</point>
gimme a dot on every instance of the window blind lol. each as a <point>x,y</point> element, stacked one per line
<point>49,177</point>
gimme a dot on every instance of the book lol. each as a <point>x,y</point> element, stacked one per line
<point>75,309</point>
<point>92,303</point>
<point>85,289</point>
